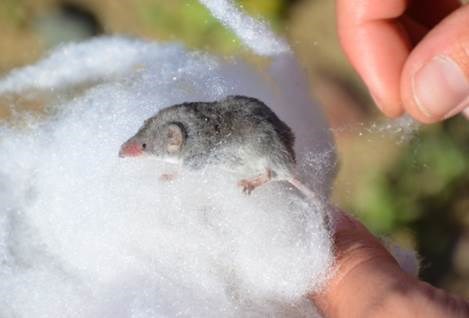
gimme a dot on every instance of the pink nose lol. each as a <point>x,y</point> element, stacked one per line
<point>131,150</point>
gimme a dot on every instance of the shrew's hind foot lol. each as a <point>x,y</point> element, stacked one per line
<point>167,177</point>
<point>249,185</point>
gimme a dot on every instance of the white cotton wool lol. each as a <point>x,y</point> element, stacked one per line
<point>84,233</point>
<point>254,33</point>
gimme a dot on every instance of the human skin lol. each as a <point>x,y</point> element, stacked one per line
<point>368,282</point>
<point>412,55</point>
<point>414,58</point>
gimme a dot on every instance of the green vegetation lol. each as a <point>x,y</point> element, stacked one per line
<point>190,22</point>
<point>13,11</point>
<point>426,191</point>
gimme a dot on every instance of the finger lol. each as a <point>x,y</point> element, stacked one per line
<point>377,46</point>
<point>368,282</point>
<point>435,79</point>
<point>361,262</point>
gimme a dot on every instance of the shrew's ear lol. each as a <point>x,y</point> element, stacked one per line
<point>175,135</point>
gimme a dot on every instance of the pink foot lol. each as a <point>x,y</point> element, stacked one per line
<point>249,185</point>
<point>168,177</point>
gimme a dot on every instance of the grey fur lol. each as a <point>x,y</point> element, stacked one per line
<point>236,131</point>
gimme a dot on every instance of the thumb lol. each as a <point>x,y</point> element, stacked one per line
<point>435,78</point>
<point>368,282</point>
<point>364,271</point>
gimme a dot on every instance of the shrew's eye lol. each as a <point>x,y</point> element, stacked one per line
<point>144,146</point>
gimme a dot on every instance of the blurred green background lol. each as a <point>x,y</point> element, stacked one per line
<point>416,191</point>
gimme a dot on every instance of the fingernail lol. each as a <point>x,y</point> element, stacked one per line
<point>439,87</point>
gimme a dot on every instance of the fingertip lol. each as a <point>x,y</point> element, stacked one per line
<point>435,78</point>
<point>341,221</point>
<point>362,267</point>
<point>353,241</point>
<point>378,50</point>
<point>390,110</point>
<point>438,90</point>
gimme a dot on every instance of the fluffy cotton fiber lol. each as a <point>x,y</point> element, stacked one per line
<point>84,233</point>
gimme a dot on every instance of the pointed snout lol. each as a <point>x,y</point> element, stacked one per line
<point>131,149</point>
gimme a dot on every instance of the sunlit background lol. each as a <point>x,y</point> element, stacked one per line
<point>412,187</point>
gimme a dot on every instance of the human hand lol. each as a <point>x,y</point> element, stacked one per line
<point>368,282</point>
<point>412,55</point>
